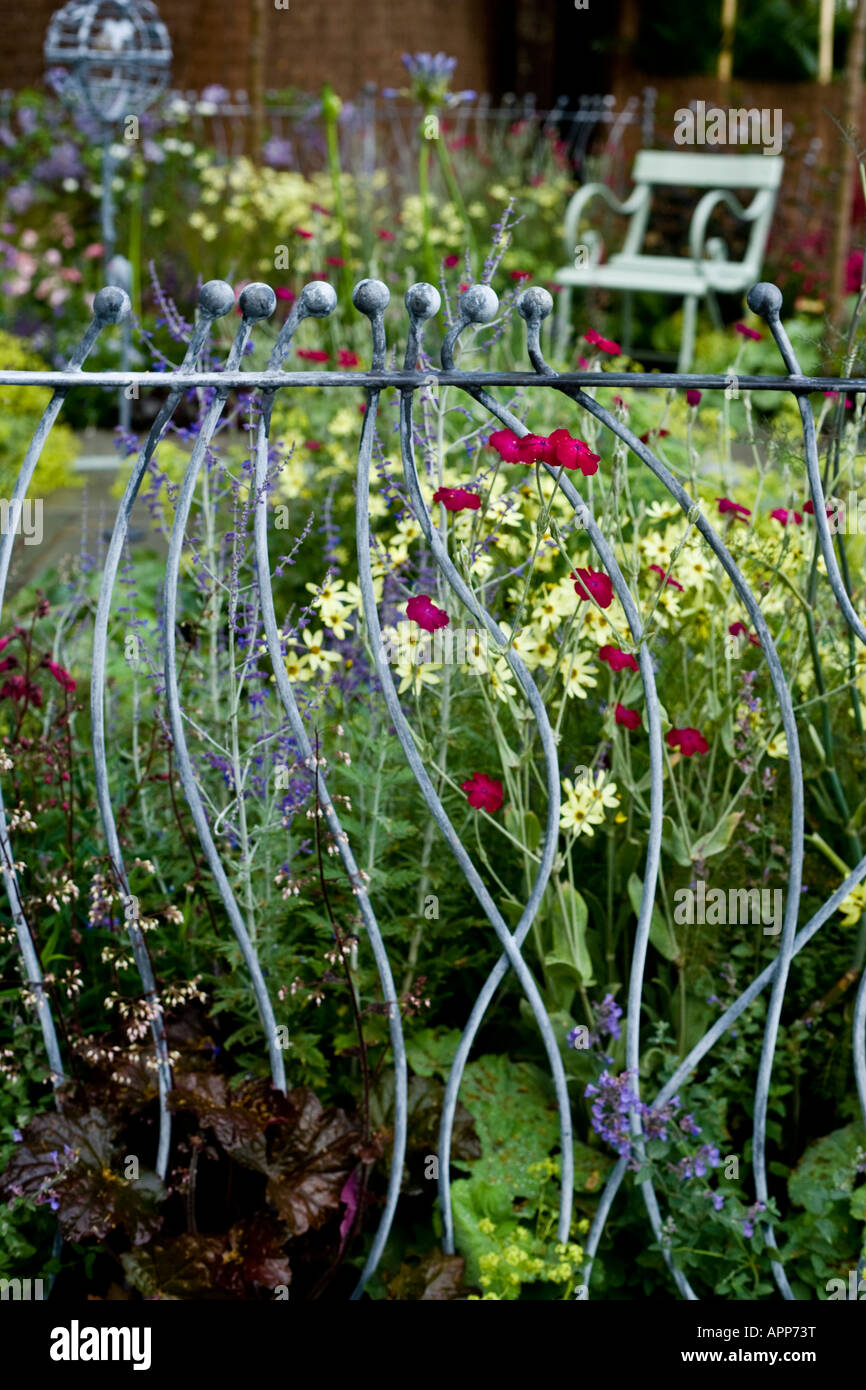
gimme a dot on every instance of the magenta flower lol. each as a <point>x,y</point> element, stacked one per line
<point>628,718</point>
<point>299,231</point>
<point>740,630</point>
<point>593,582</point>
<point>346,358</point>
<point>17,688</point>
<point>520,275</point>
<point>747,332</point>
<point>450,261</point>
<point>61,676</point>
<point>423,611</point>
<point>673,582</point>
<point>506,443</point>
<point>312,355</point>
<point>334,260</point>
<point>283,293</point>
<point>533,448</point>
<point>782,515</point>
<point>726,505</point>
<point>603,344</point>
<point>385,236</point>
<point>617,659</point>
<point>689,741</point>
<point>693,397</point>
<point>457,499</point>
<point>482,792</point>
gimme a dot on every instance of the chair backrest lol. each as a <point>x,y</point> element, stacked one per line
<point>671,169</point>
<point>687,170</point>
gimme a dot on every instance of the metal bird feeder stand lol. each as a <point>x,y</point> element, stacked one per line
<point>108,60</point>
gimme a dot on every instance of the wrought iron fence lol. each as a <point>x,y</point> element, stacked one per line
<point>478,306</point>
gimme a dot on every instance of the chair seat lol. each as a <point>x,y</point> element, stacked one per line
<point>660,275</point>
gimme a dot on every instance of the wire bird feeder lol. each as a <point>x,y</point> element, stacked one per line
<point>108,58</point>
<point>108,61</point>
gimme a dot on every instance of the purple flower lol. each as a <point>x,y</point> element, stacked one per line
<point>718,1200</point>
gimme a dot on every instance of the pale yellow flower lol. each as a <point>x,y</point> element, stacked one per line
<point>319,659</point>
<point>576,670</point>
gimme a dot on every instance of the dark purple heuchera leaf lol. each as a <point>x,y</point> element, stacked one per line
<point>250,1256</point>
<point>306,1160</point>
<point>236,1117</point>
<point>436,1278</point>
<point>184,1267</point>
<point>70,1160</point>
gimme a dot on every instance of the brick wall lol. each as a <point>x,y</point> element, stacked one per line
<point>345,42</point>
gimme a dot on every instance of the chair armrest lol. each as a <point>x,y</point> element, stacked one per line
<point>591,190</point>
<point>706,207</point>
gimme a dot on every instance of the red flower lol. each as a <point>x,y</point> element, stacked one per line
<point>506,444</point>
<point>422,611</point>
<point>693,397</point>
<point>334,260</point>
<point>450,261</point>
<point>660,434</point>
<point>299,231</point>
<point>17,688</point>
<point>313,444</point>
<point>383,235</point>
<point>319,275</point>
<point>9,663</point>
<point>482,792</point>
<point>457,499</point>
<point>748,332</point>
<point>726,505</point>
<point>285,294</point>
<point>582,363</point>
<point>834,395</point>
<point>739,630</point>
<point>568,452</point>
<point>807,507</point>
<point>63,677</point>
<point>603,344</point>
<point>629,718</point>
<point>784,516</point>
<point>312,355</point>
<point>617,659</point>
<point>689,741</point>
<point>4,641</point>
<point>347,358</point>
<point>597,583</point>
<point>317,207</point>
<point>673,583</point>
<point>533,448</point>
<point>520,274</point>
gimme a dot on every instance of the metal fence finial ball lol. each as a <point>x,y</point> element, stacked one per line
<point>765,300</point>
<point>535,303</point>
<point>423,300</point>
<point>111,305</point>
<point>257,301</point>
<point>216,298</point>
<point>371,296</point>
<point>479,304</point>
<point>319,299</point>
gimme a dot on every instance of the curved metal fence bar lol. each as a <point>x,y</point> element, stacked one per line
<point>371,298</point>
<point>215,299</point>
<point>422,301</point>
<point>478,305</point>
<point>318,300</point>
<point>694,515</point>
<point>709,1040</point>
<point>535,305</point>
<point>109,306</point>
<point>257,301</point>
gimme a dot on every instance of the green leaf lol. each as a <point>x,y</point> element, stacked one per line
<point>661,932</point>
<point>432,1050</point>
<point>516,1120</point>
<point>673,843</point>
<point>718,839</point>
<point>570,948</point>
<point>525,828</point>
<point>828,1170</point>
